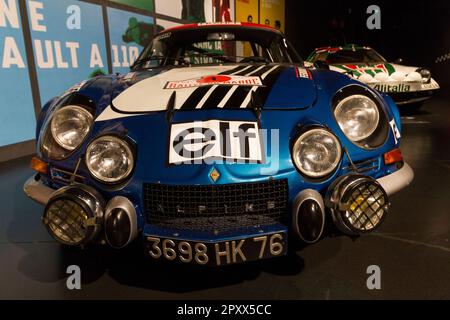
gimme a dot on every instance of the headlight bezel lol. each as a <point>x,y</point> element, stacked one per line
<point>308,129</point>
<point>52,125</point>
<point>428,77</point>
<point>47,144</point>
<point>381,134</point>
<point>131,145</point>
<point>341,104</point>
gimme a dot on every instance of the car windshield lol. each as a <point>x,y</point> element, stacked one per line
<point>209,46</point>
<point>350,56</point>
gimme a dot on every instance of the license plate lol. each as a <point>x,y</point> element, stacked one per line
<point>219,253</point>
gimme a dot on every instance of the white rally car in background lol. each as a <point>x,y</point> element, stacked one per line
<point>405,84</point>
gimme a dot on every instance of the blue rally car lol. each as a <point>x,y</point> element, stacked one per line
<point>216,146</point>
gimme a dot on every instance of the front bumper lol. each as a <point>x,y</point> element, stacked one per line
<point>205,246</point>
<point>36,190</point>
<point>392,183</point>
<point>402,98</point>
<point>398,180</point>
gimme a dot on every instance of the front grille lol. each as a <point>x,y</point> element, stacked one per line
<point>216,207</point>
<point>363,167</point>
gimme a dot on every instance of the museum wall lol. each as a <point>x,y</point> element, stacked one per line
<point>46,46</point>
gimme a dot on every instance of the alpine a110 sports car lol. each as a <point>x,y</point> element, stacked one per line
<point>406,85</point>
<point>215,147</point>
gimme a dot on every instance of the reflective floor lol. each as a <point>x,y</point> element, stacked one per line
<point>411,248</point>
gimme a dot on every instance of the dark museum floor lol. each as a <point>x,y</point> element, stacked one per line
<point>412,248</point>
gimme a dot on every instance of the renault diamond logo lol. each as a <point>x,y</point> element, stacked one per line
<point>214,175</point>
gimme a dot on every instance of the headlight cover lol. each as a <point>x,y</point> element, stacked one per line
<point>70,125</point>
<point>109,159</point>
<point>316,153</point>
<point>358,117</point>
<point>425,73</point>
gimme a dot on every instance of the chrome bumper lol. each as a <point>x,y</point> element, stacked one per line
<point>37,191</point>
<point>397,180</point>
<point>392,183</point>
<point>413,100</point>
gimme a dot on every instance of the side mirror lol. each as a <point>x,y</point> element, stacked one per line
<point>398,61</point>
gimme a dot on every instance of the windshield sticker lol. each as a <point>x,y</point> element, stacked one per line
<point>164,36</point>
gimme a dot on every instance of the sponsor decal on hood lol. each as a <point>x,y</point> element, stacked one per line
<point>359,69</point>
<point>230,86</point>
<point>221,80</point>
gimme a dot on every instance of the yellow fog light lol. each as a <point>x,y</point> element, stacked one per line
<point>358,204</point>
<point>72,216</point>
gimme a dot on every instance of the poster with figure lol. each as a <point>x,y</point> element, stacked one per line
<point>129,33</point>
<point>138,4</point>
<point>272,13</point>
<point>222,10</point>
<point>17,121</point>
<point>247,11</point>
<point>68,42</point>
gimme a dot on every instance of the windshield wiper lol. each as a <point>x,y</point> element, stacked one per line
<point>170,109</point>
<point>256,104</point>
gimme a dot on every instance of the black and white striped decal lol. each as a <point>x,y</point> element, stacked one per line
<point>217,96</point>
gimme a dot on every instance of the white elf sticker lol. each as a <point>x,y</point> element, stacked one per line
<point>233,141</point>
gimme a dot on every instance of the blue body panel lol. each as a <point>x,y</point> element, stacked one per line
<point>292,102</point>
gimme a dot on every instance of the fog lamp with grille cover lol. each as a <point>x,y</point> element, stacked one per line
<point>358,204</point>
<point>73,214</point>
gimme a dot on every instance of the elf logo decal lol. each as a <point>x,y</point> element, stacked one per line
<point>223,80</point>
<point>215,140</point>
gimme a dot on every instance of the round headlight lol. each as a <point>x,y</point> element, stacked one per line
<point>109,159</point>
<point>358,117</point>
<point>70,125</point>
<point>317,153</point>
<point>425,73</point>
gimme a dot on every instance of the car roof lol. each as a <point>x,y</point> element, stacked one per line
<point>212,25</point>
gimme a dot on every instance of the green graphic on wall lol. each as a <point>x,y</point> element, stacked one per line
<point>140,32</point>
<point>139,4</point>
<point>97,72</point>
